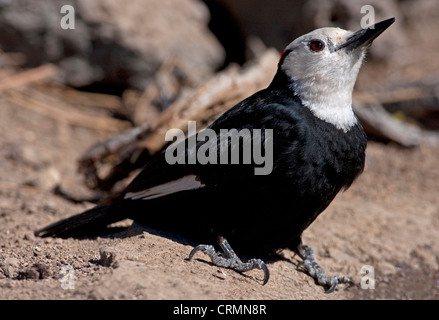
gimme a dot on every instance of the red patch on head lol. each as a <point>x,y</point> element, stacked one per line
<point>282,55</point>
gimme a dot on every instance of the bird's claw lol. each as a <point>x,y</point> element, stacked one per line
<point>202,247</point>
<point>314,270</point>
<point>266,273</point>
<point>333,282</point>
<point>332,288</point>
<point>231,260</point>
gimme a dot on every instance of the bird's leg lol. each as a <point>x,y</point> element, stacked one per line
<point>314,270</point>
<point>230,259</point>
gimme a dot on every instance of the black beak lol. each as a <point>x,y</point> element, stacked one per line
<point>365,37</point>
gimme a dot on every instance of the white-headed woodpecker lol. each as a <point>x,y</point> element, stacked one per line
<point>318,149</point>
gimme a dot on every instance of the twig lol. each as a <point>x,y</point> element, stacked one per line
<point>85,99</point>
<point>25,77</point>
<point>212,99</point>
<point>378,122</point>
<point>66,113</point>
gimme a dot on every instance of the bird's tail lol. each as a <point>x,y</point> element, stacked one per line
<point>88,223</point>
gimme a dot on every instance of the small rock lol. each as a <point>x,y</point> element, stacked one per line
<point>9,267</point>
<point>46,179</point>
<point>108,257</point>
<point>28,236</point>
<point>29,156</point>
<point>36,272</point>
<point>31,273</point>
<point>107,41</point>
<point>37,251</point>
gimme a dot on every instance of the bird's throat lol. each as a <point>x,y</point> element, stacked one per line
<point>331,105</point>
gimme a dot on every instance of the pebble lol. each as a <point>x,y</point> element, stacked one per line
<point>46,179</point>
<point>108,257</point>
<point>9,267</point>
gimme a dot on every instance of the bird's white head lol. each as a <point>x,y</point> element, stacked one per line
<point>322,67</point>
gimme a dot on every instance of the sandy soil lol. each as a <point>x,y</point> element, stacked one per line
<point>389,220</point>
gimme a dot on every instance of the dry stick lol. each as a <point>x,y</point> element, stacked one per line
<point>25,77</point>
<point>61,111</point>
<point>393,96</point>
<point>376,120</point>
<point>85,99</point>
<point>66,114</point>
<point>205,103</point>
<point>212,99</point>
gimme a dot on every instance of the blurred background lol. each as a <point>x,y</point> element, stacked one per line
<point>114,47</point>
<point>144,56</point>
<point>88,89</point>
<point>209,33</point>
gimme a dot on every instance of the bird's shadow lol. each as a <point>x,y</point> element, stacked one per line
<point>246,276</point>
<point>137,229</point>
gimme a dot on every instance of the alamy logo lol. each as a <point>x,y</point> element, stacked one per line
<point>67,280</point>
<point>68,20</point>
<point>229,146</point>
<point>368,20</point>
<point>368,279</point>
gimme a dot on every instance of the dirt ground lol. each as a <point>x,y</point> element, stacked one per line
<point>388,220</point>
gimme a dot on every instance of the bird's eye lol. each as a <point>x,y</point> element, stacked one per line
<point>316,45</point>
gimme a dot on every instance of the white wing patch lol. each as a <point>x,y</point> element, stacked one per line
<point>190,182</point>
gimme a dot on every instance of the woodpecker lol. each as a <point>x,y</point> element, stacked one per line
<point>318,150</point>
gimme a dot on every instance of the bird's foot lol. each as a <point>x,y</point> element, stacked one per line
<point>230,259</point>
<point>314,270</point>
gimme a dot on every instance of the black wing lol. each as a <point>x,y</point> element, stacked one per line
<point>174,196</point>
<point>255,133</point>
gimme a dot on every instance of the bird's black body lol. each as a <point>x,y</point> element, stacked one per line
<point>312,162</point>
